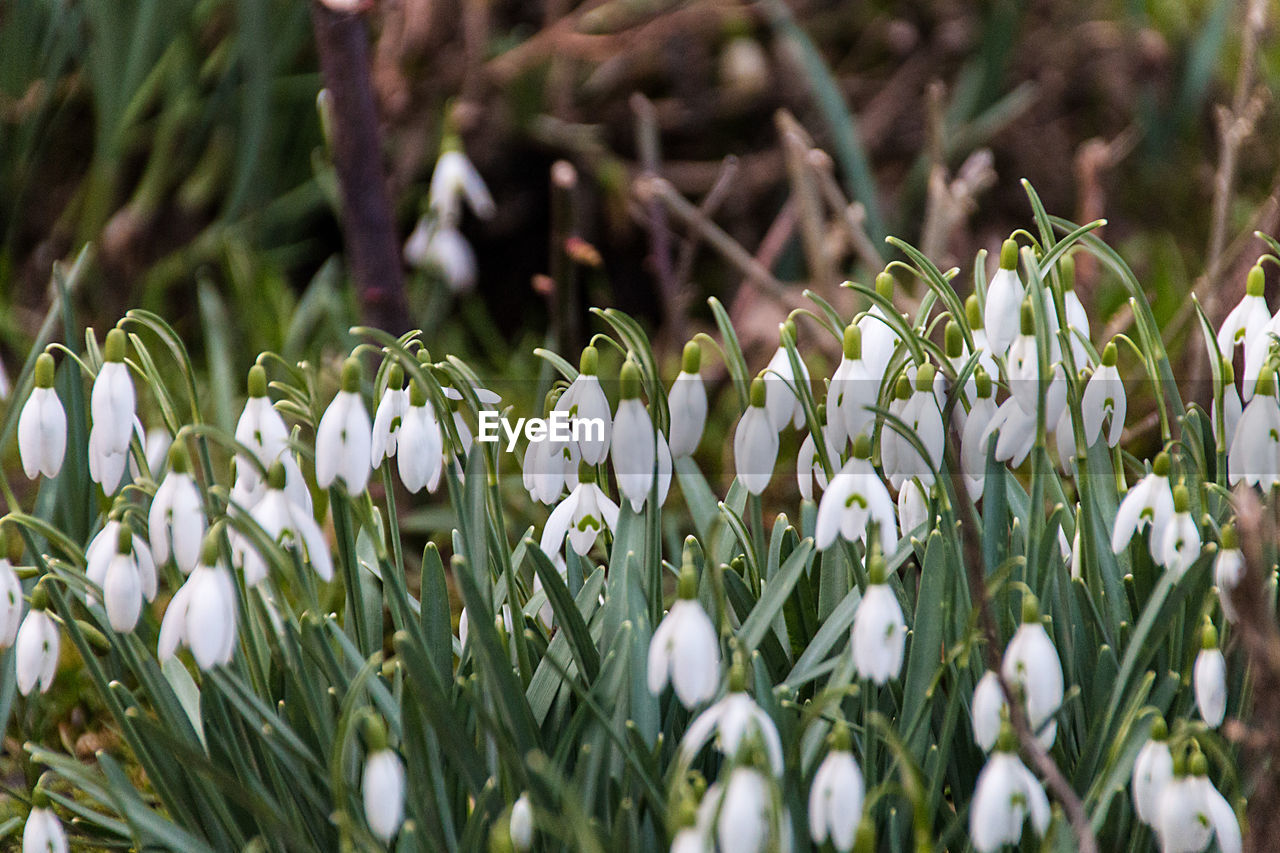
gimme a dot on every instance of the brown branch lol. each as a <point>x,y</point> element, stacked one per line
<point>675,296</point>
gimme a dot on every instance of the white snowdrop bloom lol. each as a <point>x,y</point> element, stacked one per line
<point>289,524</point>
<point>745,821</point>
<point>733,720</point>
<point>382,787</point>
<point>691,840</point>
<point>666,469</point>
<point>1228,568</point>
<point>582,516</point>
<point>1181,543</point>
<point>1004,300</point>
<point>42,426</point>
<point>422,462</point>
<point>837,794</point>
<point>809,467</point>
<point>43,832</point>
<point>973,439</point>
<point>1023,362</point>
<point>344,438</point>
<point>853,389</point>
<point>634,442</point>
<point>439,245</point>
<point>122,585</point>
<point>1148,503</point>
<point>1104,400</point>
<point>587,408</point>
<point>36,649</point>
<point>879,633</point>
<point>176,522</point>
<point>913,507</point>
<point>202,613</point>
<point>1253,456</point>
<point>855,498</point>
<point>260,427</point>
<point>1210,678</point>
<point>453,180</point>
<point>687,403</point>
<point>10,601</point>
<point>102,550</point>
<point>388,417</point>
<point>1077,317</point>
<point>780,381</point>
<point>1232,408</point>
<point>923,418</point>
<point>1248,319</point>
<point>112,404</point>
<point>1152,770</point>
<point>1007,794</point>
<point>1192,813</point>
<point>987,710</point>
<point>755,442</point>
<point>981,345</point>
<point>549,466</point>
<point>1015,429</point>
<point>685,648</point>
<point>521,824</point>
<point>1031,662</point>
<point>1064,436</point>
<point>106,466</point>
<point>878,337</point>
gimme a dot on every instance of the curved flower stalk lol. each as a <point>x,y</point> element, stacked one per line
<point>1004,299</point>
<point>285,522</point>
<point>1148,504</point>
<point>781,400</point>
<point>733,721</point>
<point>42,426</point>
<point>1007,795</point>
<point>852,393</point>
<point>634,444</point>
<point>176,524</point>
<point>389,417</point>
<point>879,634</point>
<point>587,408</point>
<point>35,650</point>
<point>687,403</point>
<point>685,648</point>
<point>856,498</point>
<point>1152,771</point>
<point>112,405</point>
<point>202,613</point>
<point>582,516</point>
<point>1181,543</point>
<point>344,438</point>
<point>422,462</point>
<point>1210,678</point>
<point>1031,663</point>
<point>1104,400</point>
<point>837,794</point>
<point>755,442</point>
<point>1191,812</point>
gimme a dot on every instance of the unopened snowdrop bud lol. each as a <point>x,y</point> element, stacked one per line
<point>1077,317</point>
<point>835,800</point>
<point>176,523</point>
<point>1006,795</point>
<point>988,710</point>
<point>855,498</point>
<point>1248,319</point>
<point>43,832</point>
<point>202,613</point>
<point>1253,456</point>
<point>685,648</point>
<point>780,382</point>
<point>1181,545</point>
<point>588,410</point>
<point>879,633</point>
<point>1104,400</point>
<point>1148,503</point>
<point>1211,678</point>
<point>389,416</point>
<point>112,404</point>
<point>1152,770</point>
<point>973,439</point>
<point>122,585</point>
<point>851,393</point>
<point>344,439</point>
<point>913,507</point>
<point>522,824</point>
<point>687,403</point>
<point>1031,662</point>
<point>746,821</point>
<point>582,516</point>
<point>1232,408</point>
<point>634,443</point>
<point>36,648</point>
<point>755,442</point>
<point>1004,299</point>
<point>422,464</point>
<point>1228,568</point>
<point>42,426</point>
<point>382,784</point>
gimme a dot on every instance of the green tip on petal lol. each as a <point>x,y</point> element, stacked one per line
<point>1009,254</point>
<point>1208,635</point>
<point>839,739</point>
<point>982,382</point>
<point>757,392</point>
<point>1030,609</point>
<point>902,388</point>
<point>44,371</point>
<point>257,381</point>
<point>691,358</point>
<point>1160,467</point>
<point>1256,283</point>
<point>1110,354</point>
<point>114,348</point>
<point>124,540</point>
<point>1007,740</point>
<point>924,377</point>
<point>630,381</point>
<point>1067,269</point>
<point>1181,498</point>
<point>1027,318</point>
<point>1230,539</point>
<point>590,361</point>
<point>417,394</point>
<point>973,311</point>
<point>210,547</point>
<point>1159,729</point>
<point>954,340</point>
<point>884,284</point>
<point>276,476</point>
<point>586,473</point>
<point>852,342</point>
<point>351,374</point>
<point>862,447</point>
<point>395,377</point>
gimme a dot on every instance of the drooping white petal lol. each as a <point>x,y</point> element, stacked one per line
<point>1211,686</point>
<point>382,787</point>
<point>43,833</point>
<point>1152,770</point>
<point>36,652</point>
<point>985,710</point>
<point>1002,315</point>
<point>687,403</point>
<point>42,434</point>
<point>634,452</point>
<point>344,441</point>
<point>879,635</point>
<point>1031,661</point>
<point>10,604</point>
<point>122,593</point>
<point>835,801</point>
<point>755,449</point>
<point>743,824</point>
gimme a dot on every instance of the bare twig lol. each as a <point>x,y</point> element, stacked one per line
<point>949,202</point>
<point>708,206</point>
<point>851,216</point>
<point>795,147</point>
<point>675,297</point>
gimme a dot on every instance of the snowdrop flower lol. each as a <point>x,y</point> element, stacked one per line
<point>1192,813</point>
<point>1023,361</point>
<point>36,648</point>
<point>549,465</point>
<point>982,346</point>
<point>1031,662</point>
<point>987,711</point>
<point>10,593</point>
<point>1004,299</point>
<point>1148,503</point>
<point>440,246</point>
<point>122,585</point>
<point>755,442</point>
<point>1016,431</point>
<point>344,438</point>
<point>634,443</point>
<point>808,465</point>
<point>1211,678</point>
<point>923,418</point>
<point>422,462</point>
<point>1228,568</point>
<point>913,507</point>
<point>287,523</point>
<point>973,439</point>
<point>176,522</point>
<point>202,613</point>
<point>781,399</point>
<point>878,337</point>
<point>263,431</point>
<point>43,832</point>
<point>1006,795</point>
<point>879,633</point>
<point>584,402</point>
<point>855,498</point>
<point>582,516</point>
<point>42,426</point>
<point>1104,399</point>
<point>111,403</point>
<point>389,417</point>
<point>690,839</point>
<point>1077,317</point>
<point>853,389</point>
<point>685,647</point>
<point>1232,408</point>
<point>382,784</point>
<point>733,720</point>
<point>1254,454</point>
<point>687,403</point>
<point>522,824</point>
<point>836,797</point>
<point>102,550</point>
<point>1152,770</point>
<point>746,820</point>
<point>453,180</point>
<point>1181,544</point>
<point>1248,319</point>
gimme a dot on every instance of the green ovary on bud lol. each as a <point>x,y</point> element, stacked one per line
<point>44,371</point>
<point>11,545</point>
<point>257,381</point>
<point>1208,635</point>
<point>852,342</point>
<point>395,377</point>
<point>1009,254</point>
<point>864,840</point>
<point>902,389</point>
<point>1007,741</point>
<point>276,476</point>
<point>1230,539</point>
<point>884,284</point>
<point>589,363</point>
<point>687,587</point>
<point>982,383</point>
<point>862,446</point>
<point>876,572</point>
<point>924,377</point>
<point>954,340</point>
<point>1159,729</point>
<point>787,330</point>
<point>1197,764</point>
<point>417,394</point>
<point>124,540</point>
<point>973,311</point>
<point>351,373</point>
<point>630,381</point>
<point>211,545</point>
<point>757,392</point>
<point>179,459</point>
<point>691,358</point>
<point>113,350</point>
<point>1181,498</point>
<point>738,673</point>
<point>1030,609</point>
<point>1256,283</point>
<point>375,733</point>
<point>1110,354</point>
<point>40,595</point>
<point>586,474</point>
<point>1266,380</point>
<point>1027,318</point>
<point>1160,467</point>
<point>839,739</point>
